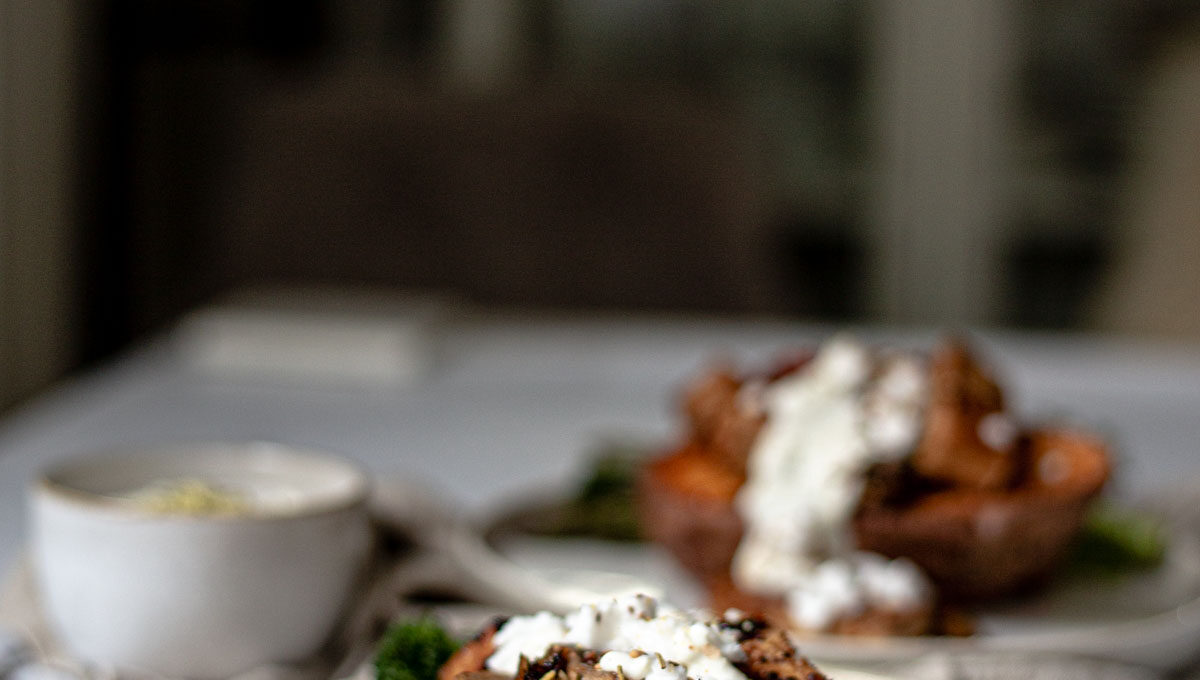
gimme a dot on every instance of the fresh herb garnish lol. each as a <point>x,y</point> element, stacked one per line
<point>413,650</point>
<point>1116,539</point>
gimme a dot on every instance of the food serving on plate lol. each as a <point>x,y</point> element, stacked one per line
<point>856,489</point>
<point>628,638</point>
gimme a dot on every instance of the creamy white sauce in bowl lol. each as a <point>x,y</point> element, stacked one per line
<point>181,591</point>
<point>187,496</point>
<point>221,480</point>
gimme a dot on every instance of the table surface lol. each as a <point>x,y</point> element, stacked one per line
<point>513,405</point>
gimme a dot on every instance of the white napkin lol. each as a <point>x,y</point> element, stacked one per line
<point>315,337</point>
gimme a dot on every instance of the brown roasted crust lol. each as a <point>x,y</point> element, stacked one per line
<point>771,655</point>
<point>481,675</point>
<point>471,657</point>
<point>719,421</point>
<point>973,543</point>
<point>723,594</point>
<point>983,523</point>
<point>979,544</point>
<point>1064,463</point>
<point>685,504</point>
<point>563,662</point>
<point>708,399</point>
<point>961,395</point>
<point>951,450</point>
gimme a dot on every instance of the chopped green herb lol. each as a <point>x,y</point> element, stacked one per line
<point>413,650</point>
<point>603,505</point>
<point>1117,539</point>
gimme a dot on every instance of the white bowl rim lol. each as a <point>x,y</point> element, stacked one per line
<point>49,480</point>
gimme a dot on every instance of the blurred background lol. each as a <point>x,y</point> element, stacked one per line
<point>1026,163</point>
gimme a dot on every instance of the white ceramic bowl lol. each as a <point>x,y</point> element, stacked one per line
<point>198,595</point>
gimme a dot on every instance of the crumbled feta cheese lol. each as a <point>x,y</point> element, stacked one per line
<point>826,425</point>
<point>645,640</point>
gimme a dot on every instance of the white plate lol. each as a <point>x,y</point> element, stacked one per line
<point>1149,618</point>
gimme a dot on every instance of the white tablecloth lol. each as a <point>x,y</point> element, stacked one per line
<point>509,404</point>
<point>503,405</point>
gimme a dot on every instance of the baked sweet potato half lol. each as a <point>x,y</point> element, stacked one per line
<point>985,543</point>
<point>973,543</point>
<point>984,508</point>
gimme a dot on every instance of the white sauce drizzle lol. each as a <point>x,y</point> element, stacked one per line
<point>826,425</point>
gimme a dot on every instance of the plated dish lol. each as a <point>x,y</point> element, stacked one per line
<point>862,490</point>
<point>630,638</point>
<point>1149,617</point>
<point>1020,497</point>
<point>598,641</point>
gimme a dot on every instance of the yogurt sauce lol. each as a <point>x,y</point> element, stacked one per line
<point>642,639</point>
<point>826,425</point>
<point>189,497</point>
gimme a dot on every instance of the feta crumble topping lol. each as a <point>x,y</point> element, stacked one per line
<point>645,640</point>
<point>827,423</point>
